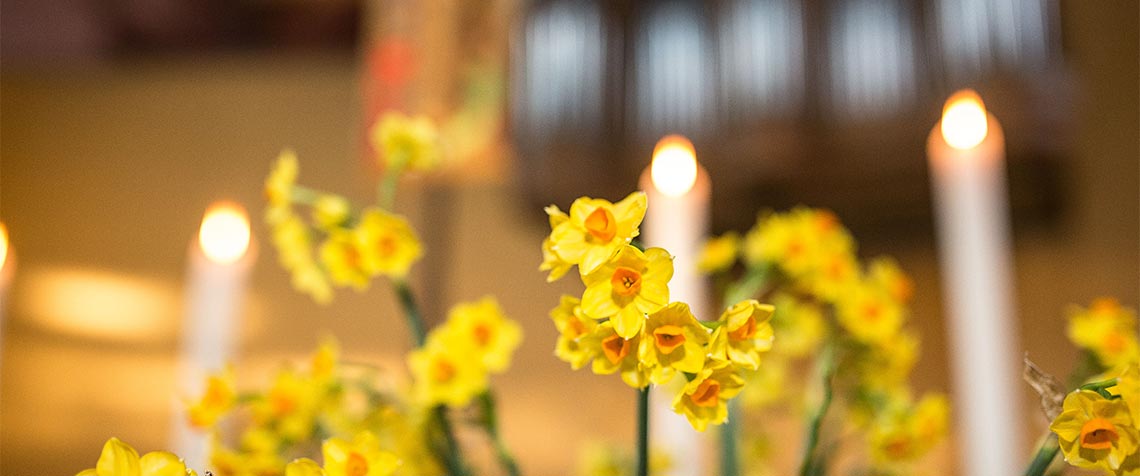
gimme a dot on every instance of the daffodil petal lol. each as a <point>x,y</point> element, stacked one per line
<point>161,463</point>
<point>117,459</point>
<point>303,467</point>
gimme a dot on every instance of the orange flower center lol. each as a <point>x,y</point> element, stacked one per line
<point>356,465</point>
<point>744,332</point>
<point>796,247</point>
<point>669,338</point>
<point>707,393</point>
<point>576,328</point>
<point>387,246</point>
<point>282,402</point>
<point>626,282</point>
<point>872,312</point>
<point>216,394</point>
<point>483,334</point>
<point>601,224</point>
<point>615,348</point>
<point>442,371</point>
<point>1098,434</point>
<point>1114,343</point>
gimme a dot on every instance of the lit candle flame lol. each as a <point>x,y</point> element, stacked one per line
<point>964,123</point>
<point>674,166</point>
<point>3,245</point>
<point>224,236</point>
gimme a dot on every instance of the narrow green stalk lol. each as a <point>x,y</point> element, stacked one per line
<point>386,192</point>
<point>411,312</point>
<point>811,465</point>
<point>490,423</point>
<point>448,450</point>
<point>643,432</point>
<point>1046,453</point>
<point>729,459</point>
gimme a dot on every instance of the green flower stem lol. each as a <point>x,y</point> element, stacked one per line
<point>1046,453</point>
<point>386,190</point>
<point>449,451</point>
<point>729,459</point>
<point>643,432</point>
<point>746,288</point>
<point>811,465</point>
<point>490,423</point>
<point>411,312</point>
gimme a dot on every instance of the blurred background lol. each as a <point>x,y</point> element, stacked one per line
<point>123,120</point>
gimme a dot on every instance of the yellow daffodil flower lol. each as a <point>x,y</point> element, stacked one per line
<point>325,360</point>
<point>331,211</point>
<point>719,254</point>
<point>1107,329</point>
<point>491,336</point>
<point>388,245</point>
<point>304,467</point>
<point>704,400</point>
<point>282,177</point>
<point>612,353</point>
<point>120,459</point>
<point>341,257</point>
<point>309,279</point>
<point>744,333</point>
<point>628,286</point>
<point>290,405</point>
<point>550,259</point>
<point>1095,432</point>
<point>218,398</point>
<point>572,325</point>
<point>596,229</point>
<point>673,341</point>
<point>293,242</point>
<point>360,457</point>
<point>885,272</point>
<point>835,272</point>
<point>406,143</point>
<point>888,363</point>
<point>444,371</point>
<point>797,242</point>
<point>869,313</point>
<point>905,432</point>
<point>799,324</point>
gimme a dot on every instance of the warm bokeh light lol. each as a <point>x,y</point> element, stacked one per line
<point>674,166</point>
<point>224,236</point>
<point>964,122</point>
<point>100,304</point>
<point>3,244</point>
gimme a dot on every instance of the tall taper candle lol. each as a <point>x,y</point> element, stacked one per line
<point>678,192</point>
<point>966,150</point>
<point>219,265</point>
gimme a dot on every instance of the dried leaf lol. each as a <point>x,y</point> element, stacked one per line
<point>1047,386</point>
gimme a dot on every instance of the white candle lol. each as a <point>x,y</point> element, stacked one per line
<point>219,265</point>
<point>966,150</point>
<point>7,268</point>
<point>678,192</point>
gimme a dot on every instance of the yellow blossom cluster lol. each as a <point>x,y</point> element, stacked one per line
<point>830,305</point>
<point>335,244</point>
<point>120,459</point>
<point>1099,424</point>
<point>624,322</point>
<point>459,356</point>
<point>361,456</point>
<point>299,408</point>
<point>1107,330</point>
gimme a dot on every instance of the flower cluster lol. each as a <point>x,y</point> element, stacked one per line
<point>120,459</point>
<point>361,456</point>
<point>302,406</point>
<point>625,323</point>
<point>335,245</point>
<point>454,364</point>
<point>1098,426</point>
<point>847,315</point>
